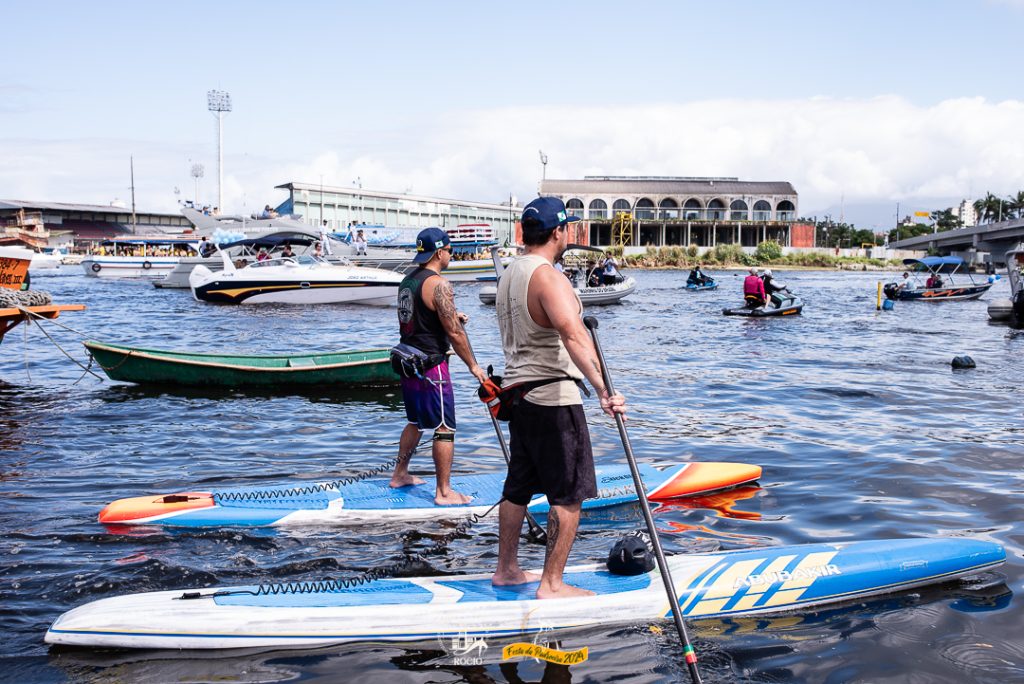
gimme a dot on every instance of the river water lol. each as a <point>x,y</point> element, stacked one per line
<point>862,428</point>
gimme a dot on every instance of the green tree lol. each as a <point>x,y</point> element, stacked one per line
<point>946,220</point>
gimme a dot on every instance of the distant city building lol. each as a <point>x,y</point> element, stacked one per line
<point>54,224</point>
<point>966,213</point>
<point>339,206</point>
<point>671,210</point>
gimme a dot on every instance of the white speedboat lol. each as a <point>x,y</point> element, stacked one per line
<point>294,280</point>
<point>136,256</point>
<point>590,295</point>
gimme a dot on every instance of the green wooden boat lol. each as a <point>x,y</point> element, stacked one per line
<point>359,368</point>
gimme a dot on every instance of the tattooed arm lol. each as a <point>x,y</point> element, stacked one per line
<point>444,304</point>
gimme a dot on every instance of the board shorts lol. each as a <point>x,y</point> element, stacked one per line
<point>550,454</point>
<point>430,401</point>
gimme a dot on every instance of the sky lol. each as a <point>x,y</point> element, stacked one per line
<point>860,105</point>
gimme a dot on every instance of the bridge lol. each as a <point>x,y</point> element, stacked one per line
<point>973,242</point>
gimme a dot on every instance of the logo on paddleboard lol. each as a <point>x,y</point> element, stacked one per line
<point>463,648</point>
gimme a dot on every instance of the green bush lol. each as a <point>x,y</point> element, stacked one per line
<point>768,251</point>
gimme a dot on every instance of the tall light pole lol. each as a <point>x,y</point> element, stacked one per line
<point>218,102</point>
<point>197,173</point>
<point>543,166</point>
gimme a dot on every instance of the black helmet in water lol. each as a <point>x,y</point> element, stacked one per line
<point>631,555</point>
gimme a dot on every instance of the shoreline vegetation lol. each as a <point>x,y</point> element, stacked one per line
<point>768,254</point>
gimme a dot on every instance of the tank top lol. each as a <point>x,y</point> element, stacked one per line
<point>533,352</point>
<point>419,326</point>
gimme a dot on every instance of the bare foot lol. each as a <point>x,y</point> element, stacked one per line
<point>405,481</point>
<point>563,591</point>
<point>452,498</point>
<point>513,578</point>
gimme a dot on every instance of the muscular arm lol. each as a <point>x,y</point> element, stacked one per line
<point>442,300</point>
<point>559,309</point>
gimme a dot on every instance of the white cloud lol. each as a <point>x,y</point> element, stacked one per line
<point>867,150</point>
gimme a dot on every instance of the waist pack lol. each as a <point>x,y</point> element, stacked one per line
<point>501,401</point>
<point>410,362</point>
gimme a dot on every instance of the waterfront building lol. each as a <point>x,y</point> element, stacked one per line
<point>58,224</point>
<point>642,211</point>
<point>340,206</point>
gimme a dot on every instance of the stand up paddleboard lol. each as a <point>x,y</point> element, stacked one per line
<point>713,585</point>
<point>348,502</point>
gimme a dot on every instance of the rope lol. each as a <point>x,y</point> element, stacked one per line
<point>108,369</point>
<point>53,341</point>
<point>291,492</point>
<point>333,585</point>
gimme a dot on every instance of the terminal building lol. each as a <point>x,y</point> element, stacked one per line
<point>56,224</point>
<point>658,211</point>
<point>340,206</point>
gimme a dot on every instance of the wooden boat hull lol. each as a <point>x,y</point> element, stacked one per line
<point>362,368</point>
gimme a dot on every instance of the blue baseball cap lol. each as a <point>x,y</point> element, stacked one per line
<point>428,242</point>
<point>544,214</point>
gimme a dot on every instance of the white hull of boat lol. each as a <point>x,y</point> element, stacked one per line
<point>128,267</point>
<point>296,284</point>
<point>590,296</point>
<point>178,277</point>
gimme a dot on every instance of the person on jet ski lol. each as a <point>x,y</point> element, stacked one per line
<point>753,290</point>
<point>698,277</point>
<point>770,287</point>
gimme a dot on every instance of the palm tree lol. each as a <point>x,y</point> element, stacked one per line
<point>1016,204</point>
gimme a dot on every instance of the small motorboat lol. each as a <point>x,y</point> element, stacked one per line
<point>294,280</point>
<point>781,302</point>
<point>936,288</point>
<point>593,287</point>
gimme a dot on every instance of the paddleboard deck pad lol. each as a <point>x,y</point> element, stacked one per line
<point>372,500</point>
<point>713,585</point>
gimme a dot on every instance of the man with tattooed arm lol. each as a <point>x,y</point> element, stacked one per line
<point>429,322</point>
<point>548,350</point>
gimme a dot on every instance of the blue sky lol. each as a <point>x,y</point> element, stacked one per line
<point>869,102</point>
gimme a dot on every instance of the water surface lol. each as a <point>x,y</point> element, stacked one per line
<point>862,428</point>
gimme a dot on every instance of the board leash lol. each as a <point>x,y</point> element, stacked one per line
<point>335,585</point>
<point>316,488</point>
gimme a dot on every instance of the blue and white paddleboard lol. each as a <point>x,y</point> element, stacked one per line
<point>320,503</point>
<point>713,585</point>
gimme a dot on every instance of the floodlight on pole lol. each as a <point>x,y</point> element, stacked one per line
<point>543,165</point>
<point>218,102</point>
<point>197,173</point>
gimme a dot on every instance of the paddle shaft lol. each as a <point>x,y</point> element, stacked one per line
<point>645,506</point>
<point>537,532</point>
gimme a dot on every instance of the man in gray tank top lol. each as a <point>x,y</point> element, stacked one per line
<point>543,337</point>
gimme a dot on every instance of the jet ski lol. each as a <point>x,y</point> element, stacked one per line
<point>781,302</point>
<point>693,285</point>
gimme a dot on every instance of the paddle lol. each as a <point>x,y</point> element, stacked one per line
<point>645,506</point>
<point>537,533</point>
